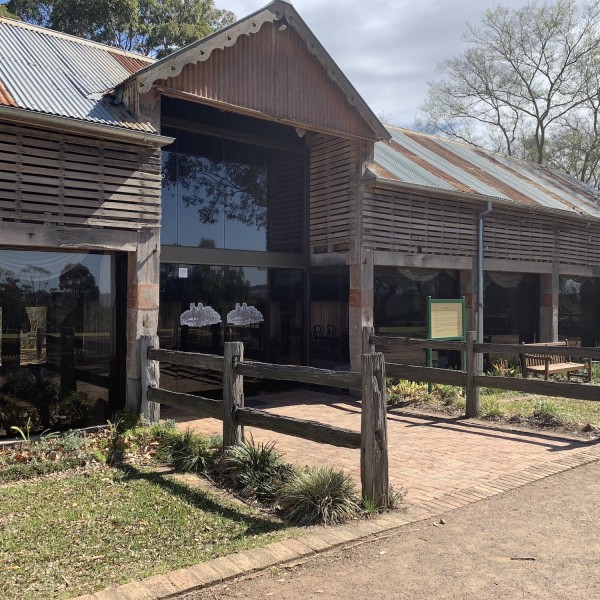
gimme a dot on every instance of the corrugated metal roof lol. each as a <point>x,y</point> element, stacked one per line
<point>56,74</point>
<point>420,159</point>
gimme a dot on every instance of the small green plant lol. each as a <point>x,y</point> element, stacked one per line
<point>319,495</point>
<point>505,368</point>
<point>547,413</point>
<point>395,497</point>
<point>490,408</point>
<point>24,434</point>
<point>405,391</point>
<point>191,452</point>
<point>448,394</point>
<point>255,469</point>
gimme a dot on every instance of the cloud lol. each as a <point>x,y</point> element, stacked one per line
<point>388,50</point>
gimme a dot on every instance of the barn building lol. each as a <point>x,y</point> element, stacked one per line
<point>241,189</point>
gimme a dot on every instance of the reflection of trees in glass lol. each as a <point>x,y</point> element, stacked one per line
<point>213,286</point>
<point>35,281</point>
<point>569,304</point>
<point>237,189</point>
<point>11,300</point>
<point>77,287</point>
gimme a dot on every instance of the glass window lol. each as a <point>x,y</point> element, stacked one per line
<point>569,309</point>
<point>262,308</point>
<point>400,306</point>
<point>57,312</point>
<point>511,307</point>
<point>220,193</point>
<point>329,293</point>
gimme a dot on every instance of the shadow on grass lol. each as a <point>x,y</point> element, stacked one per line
<point>202,500</point>
<point>501,430</point>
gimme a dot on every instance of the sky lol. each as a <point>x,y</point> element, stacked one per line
<point>388,49</point>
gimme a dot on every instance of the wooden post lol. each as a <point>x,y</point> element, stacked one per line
<point>473,368</point>
<point>150,374</point>
<point>233,394</point>
<point>368,348</point>
<point>374,473</point>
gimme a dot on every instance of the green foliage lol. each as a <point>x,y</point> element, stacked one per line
<point>505,368</point>
<point>254,469</point>
<point>4,12</point>
<point>319,495</point>
<point>190,452</point>
<point>547,413</point>
<point>402,390</point>
<point>490,408</point>
<point>448,394</point>
<point>48,455</point>
<point>150,27</point>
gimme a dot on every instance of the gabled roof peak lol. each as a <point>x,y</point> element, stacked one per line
<point>278,11</point>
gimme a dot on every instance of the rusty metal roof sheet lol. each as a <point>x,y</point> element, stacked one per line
<point>420,159</point>
<point>57,74</point>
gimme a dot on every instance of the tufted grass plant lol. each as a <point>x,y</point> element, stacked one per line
<point>319,495</point>
<point>254,469</point>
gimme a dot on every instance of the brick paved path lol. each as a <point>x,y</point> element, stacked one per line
<point>435,459</point>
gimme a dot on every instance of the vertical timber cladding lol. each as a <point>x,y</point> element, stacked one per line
<point>412,223</point>
<point>333,192</point>
<point>63,179</point>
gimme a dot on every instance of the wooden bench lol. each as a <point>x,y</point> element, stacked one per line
<point>549,364</point>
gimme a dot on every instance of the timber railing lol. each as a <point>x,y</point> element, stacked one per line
<point>372,438</point>
<point>472,379</point>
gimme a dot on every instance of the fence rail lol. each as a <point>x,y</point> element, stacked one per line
<point>372,438</point>
<point>473,379</point>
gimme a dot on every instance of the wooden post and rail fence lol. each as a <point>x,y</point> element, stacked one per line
<point>472,379</point>
<point>372,438</point>
<point>371,382</point>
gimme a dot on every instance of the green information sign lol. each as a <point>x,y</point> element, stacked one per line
<point>445,319</point>
<point>445,322</point>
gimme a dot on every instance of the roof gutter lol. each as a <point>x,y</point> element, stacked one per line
<point>26,117</point>
<point>456,195</point>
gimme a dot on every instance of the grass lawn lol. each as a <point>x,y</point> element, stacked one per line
<point>73,534</point>
<point>582,416</point>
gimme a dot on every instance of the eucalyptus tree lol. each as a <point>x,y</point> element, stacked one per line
<point>150,27</point>
<point>527,84</point>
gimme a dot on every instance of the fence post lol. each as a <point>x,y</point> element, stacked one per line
<point>368,348</point>
<point>150,375</point>
<point>473,408</point>
<point>233,394</point>
<point>374,472</point>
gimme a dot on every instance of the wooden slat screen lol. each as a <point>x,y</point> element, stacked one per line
<point>406,222</point>
<point>333,188</point>
<point>48,177</point>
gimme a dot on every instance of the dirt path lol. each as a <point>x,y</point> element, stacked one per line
<point>538,541</point>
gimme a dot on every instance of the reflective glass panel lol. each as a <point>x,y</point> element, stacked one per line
<point>57,312</point>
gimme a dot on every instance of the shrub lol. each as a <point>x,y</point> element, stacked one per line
<point>505,368</point>
<point>448,394</point>
<point>490,409</point>
<point>547,413</point>
<point>402,390</point>
<point>190,452</point>
<point>318,495</point>
<point>77,407</point>
<point>254,469</point>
